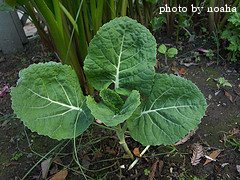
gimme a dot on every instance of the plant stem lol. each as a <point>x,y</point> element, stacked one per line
<point>166,63</point>
<point>120,134</point>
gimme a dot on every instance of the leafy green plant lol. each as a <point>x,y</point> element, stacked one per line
<point>167,52</point>
<point>158,22</point>
<point>231,34</point>
<point>155,108</point>
<point>209,54</point>
<point>183,22</point>
<point>16,156</point>
<point>233,142</point>
<point>146,171</point>
<point>222,82</point>
<point>196,56</point>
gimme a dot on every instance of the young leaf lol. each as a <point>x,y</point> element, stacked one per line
<point>123,52</point>
<point>172,52</point>
<point>112,99</point>
<point>162,49</point>
<point>108,116</point>
<point>174,107</point>
<point>49,101</point>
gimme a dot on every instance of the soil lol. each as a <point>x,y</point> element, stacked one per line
<point>99,151</point>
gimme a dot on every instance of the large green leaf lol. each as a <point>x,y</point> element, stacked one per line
<point>174,107</point>
<point>49,101</point>
<point>108,116</point>
<point>123,52</point>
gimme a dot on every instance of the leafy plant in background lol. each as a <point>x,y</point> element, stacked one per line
<point>158,22</point>
<point>222,82</point>
<point>209,54</point>
<point>217,20</point>
<point>72,24</point>
<point>196,56</point>
<point>167,52</point>
<point>155,108</point>
<point>231,34</point>
<point>183,22</point>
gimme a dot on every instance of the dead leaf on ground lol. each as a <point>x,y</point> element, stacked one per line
<point>229,96</point>
<point>136,152</point>
<point>45,165</point>
<point>174,70</point>
<point>186,138</point>
<point>61,175</point>
<point>189,64</point>
<point>160,166</point>
<point>202,50</point>
<point>182,71</point>
<point>209,97</point>
<point>197,154</point>
<point>97,155</point>
<point>110,150</point>
<point>5,89</point>
<point>212,156</point>
<point>234,131</point>
<point>238,168</point>
<point>153,170</point>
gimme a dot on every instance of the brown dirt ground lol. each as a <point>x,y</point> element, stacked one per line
<point>104,158</point>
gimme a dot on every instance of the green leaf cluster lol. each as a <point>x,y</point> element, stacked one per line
<point>231,34</point>
<point>155,108</point>
<point>169,52</point>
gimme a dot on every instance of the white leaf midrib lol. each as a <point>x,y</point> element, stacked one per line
<point>166,108</point>
<point>118,65</point>
<point>56,102</point>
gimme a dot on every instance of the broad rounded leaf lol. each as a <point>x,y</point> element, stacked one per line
<point>123,52</point>
<point>162,49</point>
<point>172,52</point>
<point>174,107</point>
<point>108,116</point>
<point>49,101</point>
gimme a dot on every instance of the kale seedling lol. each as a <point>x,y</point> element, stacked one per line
<point>167,52</point>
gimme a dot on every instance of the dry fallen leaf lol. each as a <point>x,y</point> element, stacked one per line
<point>182,71</point>
<point>45,165</point>
<point>212,156</point>
<point>238,168</point>
<point>174,70</point>
<point>234,131</point>
<point>160,166</point>
<point>4,91</point>
<point>229,96</point>
<point>61,175</point>
<point>136,152</point>
<point>197,154</point>
<point>186,138</point>
<point>202,50</point>
<point>153,170</point>
<point>110,150</point>
<point>189,64</point>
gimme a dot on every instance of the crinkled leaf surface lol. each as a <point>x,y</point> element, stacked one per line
<point>108,116</point>
<point>49,101</point>
<point>174,107</point>
<point>123,52</point>
<point>112,99</point>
